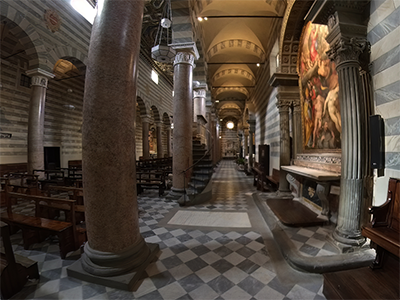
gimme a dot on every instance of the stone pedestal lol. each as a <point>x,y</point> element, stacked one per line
<point>145,136</point>
<point>182,135</point>
<point>160,151</point>
<point>115,247</point>
<point>36,119</point>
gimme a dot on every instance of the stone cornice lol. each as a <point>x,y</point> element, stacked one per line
<point>284,79</point>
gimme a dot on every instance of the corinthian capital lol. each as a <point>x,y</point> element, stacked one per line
<point>347,49</point>
<point>283,105</point>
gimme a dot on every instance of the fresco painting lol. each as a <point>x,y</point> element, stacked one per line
<point>319,92</point>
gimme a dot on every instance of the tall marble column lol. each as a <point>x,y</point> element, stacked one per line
<point>345,52</point>
<point>115,254</point>
<point>160,151</point>
<point>36,118</point>
<point>246,142</point>
<point>297,135</point>
<point>183,96</point>
<point>168,131</point>
<point>251,145</point>
<point>145,136</point>
<point>283,106</point>
<point>240,136</point>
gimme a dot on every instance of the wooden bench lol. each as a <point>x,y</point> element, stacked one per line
<point>14,269</point>
<point>36,229</point>
<point>384,229</point>
<point>5,169</point>
<point>323,178</point>
<point>261,179</point>
<point>150,180</point>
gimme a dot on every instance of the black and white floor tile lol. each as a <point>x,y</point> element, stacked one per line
<point>194,263</point>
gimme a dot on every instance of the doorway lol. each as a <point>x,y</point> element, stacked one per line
<point>52,158</point>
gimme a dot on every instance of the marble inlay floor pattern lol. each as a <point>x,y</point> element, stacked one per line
<point>195,262</point>
<point>210,218</point>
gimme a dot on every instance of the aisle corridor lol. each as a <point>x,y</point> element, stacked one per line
<point>217,260</point>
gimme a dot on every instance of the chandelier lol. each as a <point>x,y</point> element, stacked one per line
<point>161,52</point>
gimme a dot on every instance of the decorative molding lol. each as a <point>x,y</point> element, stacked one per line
<point>52,20</point>
<point>235,71</point>
<point>326,159</point>
<point>283,105</point>
<point>236,43</point>
<point>347,49</point>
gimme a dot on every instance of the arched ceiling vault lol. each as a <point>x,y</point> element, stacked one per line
<point>235,38</point>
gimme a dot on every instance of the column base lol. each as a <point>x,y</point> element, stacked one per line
<point>347,243</point>
<point>125,281</point>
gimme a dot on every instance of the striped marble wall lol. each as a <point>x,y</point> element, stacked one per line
<point>63,122</point>
<point>383,34</point>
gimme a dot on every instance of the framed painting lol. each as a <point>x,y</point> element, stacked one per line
<point>319,91</point>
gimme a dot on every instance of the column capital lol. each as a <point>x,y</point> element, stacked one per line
<point>199,93</point>
<point>346,49</point>
<point>246,132</point>
<point>159,124</point>
<point>40,77</point>
<point>296,106</point>
<point>283,105</point>
<point>186,53</point>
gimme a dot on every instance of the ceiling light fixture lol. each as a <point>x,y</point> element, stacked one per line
<point>230,125</point>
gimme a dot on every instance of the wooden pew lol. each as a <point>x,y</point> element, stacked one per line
<point>14,269</point>
<point>384,229</point>
<point>6,169</point>
<point>263,181</point>
<point>150,180</point>
<point>37,228</point>
<point>274,179</point>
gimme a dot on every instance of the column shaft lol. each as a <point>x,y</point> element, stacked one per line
<point>168,142</point>
<point>36,119</point>
<point>283,106</point>
<point>297,142</point>
<point>160,150</point>
<point>145,137</point>
<point>115,245</point>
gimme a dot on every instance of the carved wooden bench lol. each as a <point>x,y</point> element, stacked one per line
<point>274,179</point>
<point>384,229</point>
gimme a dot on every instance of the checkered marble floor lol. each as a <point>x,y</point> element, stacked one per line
<point>194,263</point>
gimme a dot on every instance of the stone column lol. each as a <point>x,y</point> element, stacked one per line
<point>251,137</point>
<point>160,151</point>
<point>145,136</point>
<point>345,52</point>
<point>183,96</point>
<point>115,254</point>
<point>283,106</point>
<point>36,118</point>
<point>241,147</point>
<point>168,131</point>
<point>297,135</point>
<point>199,101</point>
<point>246,142</point>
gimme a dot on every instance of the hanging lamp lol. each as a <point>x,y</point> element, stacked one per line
<point>161,52</point>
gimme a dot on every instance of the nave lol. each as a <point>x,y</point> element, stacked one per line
<point>209,257</point>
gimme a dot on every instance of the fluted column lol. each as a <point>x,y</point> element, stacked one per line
<point>36,118</point>
<point>160,150</point>
<point>283,106</point>
<point>115,254</point>
<point>145,136</point>
<point>345,52</point>
<point>297,142</point>
<point>183,97</point>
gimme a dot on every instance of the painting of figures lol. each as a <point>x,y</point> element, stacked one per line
<point>319,91</point>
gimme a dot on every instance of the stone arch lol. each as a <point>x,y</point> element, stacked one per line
<point>166,119</point>
<point>142,106</point>
<point>70,54</point>
<point>156,113</point>
<point>28,37</point>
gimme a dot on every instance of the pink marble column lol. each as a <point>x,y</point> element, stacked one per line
<point>145,136</point>
<point>182,134</point>
<point>160,151</point>
<point>115,254</point>
<point>36,118</point>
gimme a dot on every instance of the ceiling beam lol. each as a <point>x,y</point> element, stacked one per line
<point>242,16</point>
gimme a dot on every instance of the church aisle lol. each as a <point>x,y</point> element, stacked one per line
<point>214,260</point>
